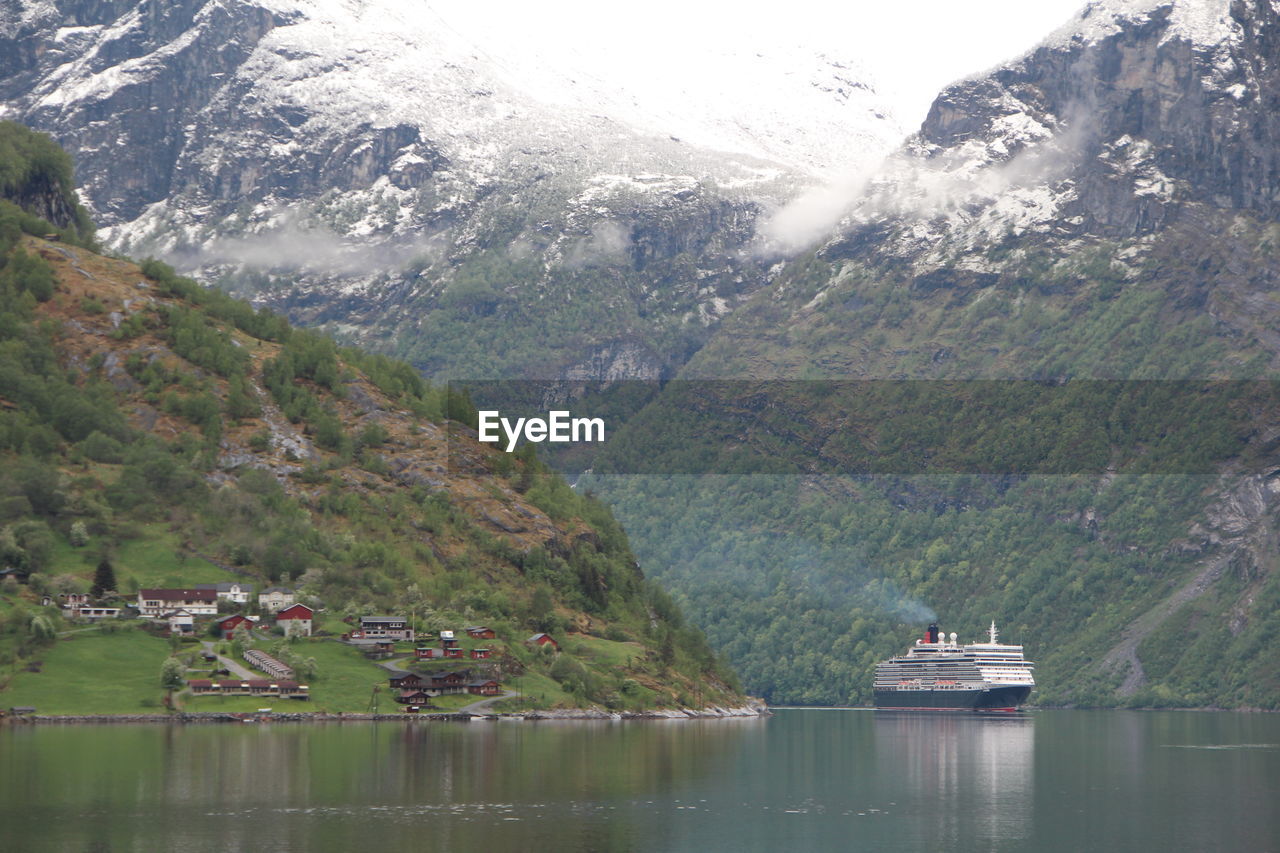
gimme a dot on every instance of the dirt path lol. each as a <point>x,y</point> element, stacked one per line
<point>1126,651</point>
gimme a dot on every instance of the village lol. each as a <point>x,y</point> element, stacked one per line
<point>419,666</point>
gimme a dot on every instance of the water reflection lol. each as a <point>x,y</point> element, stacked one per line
<point>1051,782</point>
<point>971,776</point>
<point>435,786</point>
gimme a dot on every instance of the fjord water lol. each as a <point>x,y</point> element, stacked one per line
<point>801,780</point>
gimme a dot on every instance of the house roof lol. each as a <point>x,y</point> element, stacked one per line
<point>476,628</point>
<point>179,595</point>
<point>283,589</point>
<point>539,636</point>
<point>294,611</point>
<point>228,618</point>
<point>364,619</point>
<point>398,673</point>
<point>199,682</point>
<point>225,586</point>
<point>456,675</point>
<point>231,682</point>
<point>179,612</point>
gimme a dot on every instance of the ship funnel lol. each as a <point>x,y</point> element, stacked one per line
<point>931,634</point>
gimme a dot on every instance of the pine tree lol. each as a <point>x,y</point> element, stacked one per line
<point>104,579</point>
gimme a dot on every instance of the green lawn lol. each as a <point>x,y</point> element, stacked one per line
<point>152,561</point>
<point>539,691</point>
<point>242,704</point>
<point>607,652</point>
<point>119,673</point>
<point>330,623</point>
<point>345,680</point>
<point>94,673</point>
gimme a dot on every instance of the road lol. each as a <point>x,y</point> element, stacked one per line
<point>228,663</point>
<point>475,707</point>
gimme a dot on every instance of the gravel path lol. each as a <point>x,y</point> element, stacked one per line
<point>475,707</point>
<point>228,663</point>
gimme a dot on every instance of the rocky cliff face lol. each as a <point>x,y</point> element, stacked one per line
<point>1103,207</point>
<point>369,167</point>
<point>1131,157</point>
<point>1127,119</point>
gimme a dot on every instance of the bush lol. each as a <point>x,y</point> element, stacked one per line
<point>102,448</point>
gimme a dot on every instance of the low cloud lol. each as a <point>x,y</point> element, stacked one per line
<point>608,243</point>
<point>294,247</point>
<point>917,185</point>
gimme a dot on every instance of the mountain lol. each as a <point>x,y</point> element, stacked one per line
<point>1101,208</point>
<point>186,438</point>
<point>1081,211</point>
<point>470,203</point>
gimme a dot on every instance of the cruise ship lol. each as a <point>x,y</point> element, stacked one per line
<point>938,674</point>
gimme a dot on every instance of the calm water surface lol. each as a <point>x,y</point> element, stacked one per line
<point>802,780</point>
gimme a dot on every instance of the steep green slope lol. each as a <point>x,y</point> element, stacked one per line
<point>185,437</point>
<point>1124,575</point>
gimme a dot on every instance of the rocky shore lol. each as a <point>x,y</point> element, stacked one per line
<point>754,709</point>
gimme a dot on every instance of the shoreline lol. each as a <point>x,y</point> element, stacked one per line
<point>756,710</point>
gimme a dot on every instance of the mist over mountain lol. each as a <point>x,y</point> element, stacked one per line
<point>1100,207</point>
<point>374,169</point>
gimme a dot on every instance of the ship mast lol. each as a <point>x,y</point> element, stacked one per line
<point>993,632</point>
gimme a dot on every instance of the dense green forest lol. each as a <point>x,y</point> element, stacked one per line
<point>184,436</point>
<point>1110,510</point>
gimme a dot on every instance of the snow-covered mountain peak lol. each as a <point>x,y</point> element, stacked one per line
<point>1202,22</point>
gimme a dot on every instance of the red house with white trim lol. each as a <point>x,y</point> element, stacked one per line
<point>296,620</point>
<point>228,624</point>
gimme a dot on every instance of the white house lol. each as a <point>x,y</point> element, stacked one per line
<point>181,622</point>
<point>276,598</point>
<point>384,628</point>
<point>158,602</point>
<point>230,590</point>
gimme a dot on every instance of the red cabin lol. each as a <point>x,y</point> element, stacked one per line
<point>227,625</point>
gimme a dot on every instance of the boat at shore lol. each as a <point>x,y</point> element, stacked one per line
<point>939,674</point>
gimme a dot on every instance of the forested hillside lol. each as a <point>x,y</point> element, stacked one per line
<point>1101,208</point>
<point>181,436</point>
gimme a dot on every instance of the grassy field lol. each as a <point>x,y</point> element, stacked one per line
<point>608,652</point>
<point>345,680</point>
<point>152,561</point>
<point>539,691</point>
<point>94,673</point>
<point>149,560</point>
